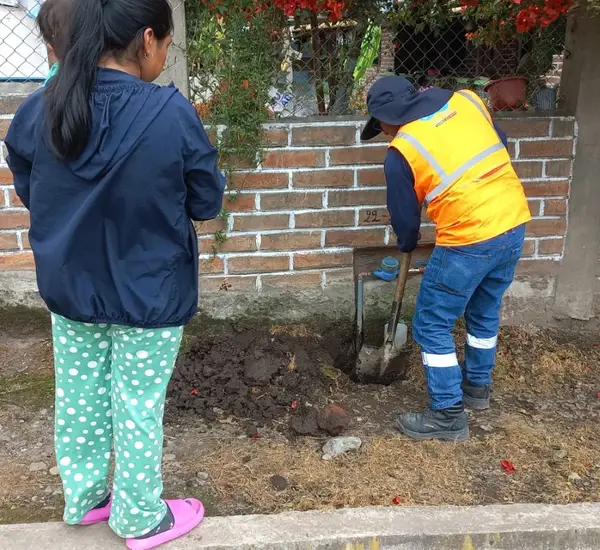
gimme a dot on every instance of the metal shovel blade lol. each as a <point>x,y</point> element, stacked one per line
<point>372,363</point>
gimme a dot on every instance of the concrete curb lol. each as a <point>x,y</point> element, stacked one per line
<point>510,527</point>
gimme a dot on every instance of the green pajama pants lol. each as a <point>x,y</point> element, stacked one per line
<point>111,382</point>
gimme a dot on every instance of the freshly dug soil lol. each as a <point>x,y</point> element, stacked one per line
<point>262,376</point>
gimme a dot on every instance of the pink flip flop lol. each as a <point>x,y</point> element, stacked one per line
<point>98,515</point>
<point>187,513</point>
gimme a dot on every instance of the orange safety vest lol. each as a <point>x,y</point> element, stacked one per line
<point>463,173</point>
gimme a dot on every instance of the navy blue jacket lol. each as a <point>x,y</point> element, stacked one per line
<point>402,202</point>
<point>112,231</point>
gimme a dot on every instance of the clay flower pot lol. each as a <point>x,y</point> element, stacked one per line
<point>507,94</point>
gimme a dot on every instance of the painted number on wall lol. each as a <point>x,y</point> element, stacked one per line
<point>375,216</point>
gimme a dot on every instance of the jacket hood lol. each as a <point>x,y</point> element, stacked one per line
<point>122,108</point>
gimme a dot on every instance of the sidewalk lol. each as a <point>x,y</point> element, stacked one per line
<point>511,527</point>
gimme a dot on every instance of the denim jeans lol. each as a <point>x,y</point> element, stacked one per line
<point>469,280</point>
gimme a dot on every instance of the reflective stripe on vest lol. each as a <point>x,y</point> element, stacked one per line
<point>447,179</point>
<point>474,102</point>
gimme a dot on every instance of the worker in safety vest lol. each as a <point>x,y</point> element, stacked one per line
<point>447,155</point>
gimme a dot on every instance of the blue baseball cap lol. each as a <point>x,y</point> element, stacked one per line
<point>394,100</point>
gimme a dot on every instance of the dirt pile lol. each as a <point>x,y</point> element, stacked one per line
<point>262,377</point>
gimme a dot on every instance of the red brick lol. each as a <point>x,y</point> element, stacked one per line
<point>211,265</point>
<point>371,178</point>
<point>209,227</point>
<point>555,207</point>
<point>528,248</point>
<point>260,222</point>
<point>260,180</point>
<point>258,264</point>
<point>14,219</point>
<point>6,177</point>
<point>209,285</point>
<point>553,149</point>
<point>535,207</point>
<point>291,241</point>
<point>236,202</point>
<point>563,128</point>
<point>239,162</point>
<point>356,198</point>
<point>316,260</point>
<point>323,178</point>
<point>234,243</point>
<point>4,125</point>
<point>294,159</point>
<point>551,246</point>
<point>356,238</point>
<point>8,241</point>
<point>374,216</point>
<point>559,168</point>
<point>326,218</point>
<point>543,227</point>
<point>528,169</point>
<point>290,201</point>
<point>357,155</point>
<point>21,261</point>
<point>512,151</point>
<point>25,240</point>
<point>293,281</point>
<point>276,137</point>
<point>323,135</point>
<point>524,127</point>
<point>14,199</point>
<point>544,188</point>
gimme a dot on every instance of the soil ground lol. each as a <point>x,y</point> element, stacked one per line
<point>242,430</point>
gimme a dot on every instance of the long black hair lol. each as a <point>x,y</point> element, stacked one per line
<point>96,28</point>
<point>51,20</point>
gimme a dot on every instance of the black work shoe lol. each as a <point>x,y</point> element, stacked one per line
<point>448,424</point>
<point>476,397</point>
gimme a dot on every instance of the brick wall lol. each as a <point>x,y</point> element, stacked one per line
<point>319,194</point>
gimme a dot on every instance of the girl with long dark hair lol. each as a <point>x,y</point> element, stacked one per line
<point>113,170</point>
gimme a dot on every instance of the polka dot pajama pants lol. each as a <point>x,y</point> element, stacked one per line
<point>111,382</point>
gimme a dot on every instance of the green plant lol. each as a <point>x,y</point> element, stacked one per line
<point>233,58</point>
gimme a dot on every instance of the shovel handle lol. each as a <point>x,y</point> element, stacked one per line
<point>398,296</point>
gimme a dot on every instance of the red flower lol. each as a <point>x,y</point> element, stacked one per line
<point>507,466</point>
<point>194,392</point>
<point>396,501</point>
<point>294,404</point>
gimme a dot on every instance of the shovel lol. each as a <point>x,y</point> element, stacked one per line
<point>372,363</point>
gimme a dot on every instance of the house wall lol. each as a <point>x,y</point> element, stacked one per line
<point>315,209</point>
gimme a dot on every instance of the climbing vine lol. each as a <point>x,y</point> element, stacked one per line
<point>232,55</point>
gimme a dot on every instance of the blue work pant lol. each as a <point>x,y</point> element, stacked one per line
<point>469,280</point>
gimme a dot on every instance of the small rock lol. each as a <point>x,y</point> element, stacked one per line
<point>561,454</point>
<point>38,467</point>
<point>333,419</point>
<point>48,490</point>
<point>337,446</point>
<point>202,476</point>
<point>54,471</point>
<point>169,457</point>
<point>305,423</point>
<point>44,412</point>
<point>573,477</point>
<point>279,482</point>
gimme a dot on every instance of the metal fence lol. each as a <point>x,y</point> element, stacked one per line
<point>22,51</point>
<point>328,69</point>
